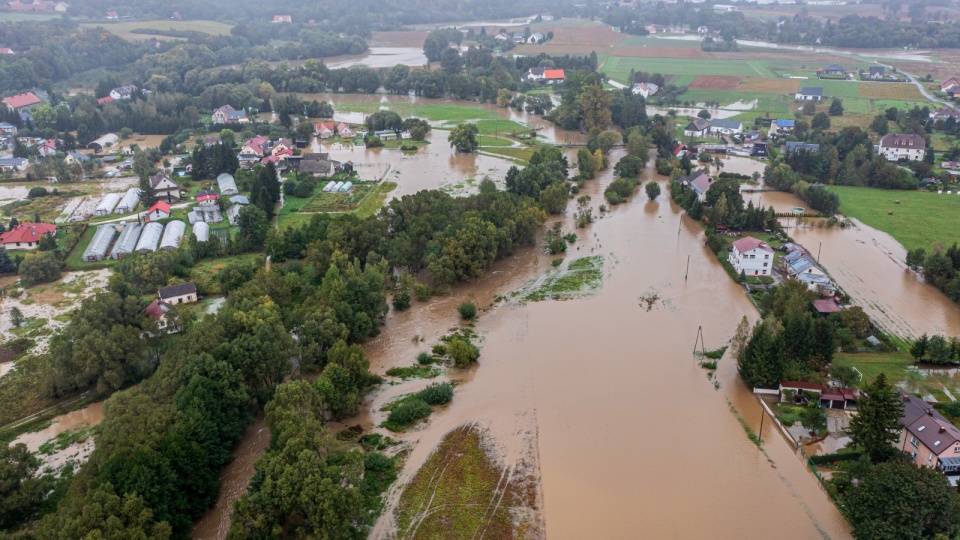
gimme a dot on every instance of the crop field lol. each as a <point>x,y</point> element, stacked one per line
<point>840,89</point>
<point>124,29</point>
<point>399,39</point>
<point>715,82</point>
<point>771,86</point>
<point>900,91</point>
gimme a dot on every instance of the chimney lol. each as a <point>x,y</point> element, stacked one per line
<point>942,429</point>
<point>929,412</point>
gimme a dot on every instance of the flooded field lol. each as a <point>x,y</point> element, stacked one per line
<point>381,57</point>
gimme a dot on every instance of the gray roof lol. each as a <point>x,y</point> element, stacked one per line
<point>727,124</point>
<point>697,125</point>
<point>834,67</point>
<point>97,249</point>
<point>795,146</point>
<point>127,241</point>
<point>239,199</point>
<point>811,91</point>
<point>179,289</point>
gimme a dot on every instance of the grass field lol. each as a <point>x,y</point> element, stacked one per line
<point>898,367</point>
<point>19,17</point>
<point>123,29</point>
<point>922,219</point>
<point>618,67</point>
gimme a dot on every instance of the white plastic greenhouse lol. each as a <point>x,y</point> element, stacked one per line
<point>149,237</point>
<point>97,250</point>
<point>107,204</point>
<point>227,185</point>
<point>336,187</point>
<point>202,231</point>
<point>127,241</point>
<point>172,233</point>
<point>329,185</point>
<point>128,202</point>
<point>346,187</point>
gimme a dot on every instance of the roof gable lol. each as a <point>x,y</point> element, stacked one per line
<point>27,232</point>
<point>750,243</point>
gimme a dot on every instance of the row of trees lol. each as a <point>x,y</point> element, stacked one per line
<point>939,268</point>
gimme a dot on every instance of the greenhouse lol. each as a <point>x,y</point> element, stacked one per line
<point>330,185</point>
<point>201,231</point>
<point>107,204</point>
<point>149,237</point>
<point>172,233</point>
<point>336,187</point>
<point>127,241</point>
<point>97,250</point>
<point>346,187</point>
<point>227,184</point>
<point>128,202</point>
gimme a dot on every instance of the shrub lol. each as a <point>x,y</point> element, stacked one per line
<point>437,393</point>
<point>409,412</point>
<point>619,189</point>
<point>377,462</point>
<point>468,310</point>
<point>653,190</point>
<point>37,192</point>
<point>556,262</point>
<point>424,359</point>
<point>462,352</point>
<point>421,292</point>
<point>439,349</point>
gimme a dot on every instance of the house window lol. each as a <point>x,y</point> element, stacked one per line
<point>179,300</point>
<point>914,442</point>
<point>930,459</point>
<point>765,265</point>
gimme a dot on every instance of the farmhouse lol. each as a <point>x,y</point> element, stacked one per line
<point>945,114</point>
<point>645,89</point>
<point>282,19</point>
<point>553,76</point>
<point>181,293</point>
<point>164,188</point>
<point>781,127</point>
<point>26,235</point>
<point>929,438</point>
<point>123,92</point>
<point>254,146</point>
<point>112,16</point>
<point>22,102</point>
<point>229,115</point>
<point>536,38</point>
<point>159,210</point>
<point>950,86</point>
<point>876,73</point>
<point>810,93</point>
<point>751,257</point>
<point>834,69</point>
<point>697,128</point>
<point>902,146</point>
<point>345,131</point>
<point>699,181</point>
<point>534,74</point>
<point>726,127</point>
<point>325,130</point>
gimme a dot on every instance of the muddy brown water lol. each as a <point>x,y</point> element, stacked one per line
<point>88,416</point>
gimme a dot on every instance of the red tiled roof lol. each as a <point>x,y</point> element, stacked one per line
<point>744,245</point>
<point>825,305</point>
<point>328,125</point>
<point>22,100</point>
<point>103,100</point>
<point>159,205</point>
<point>553,74</point>
<point>27,232</point>
<point>154,310</point>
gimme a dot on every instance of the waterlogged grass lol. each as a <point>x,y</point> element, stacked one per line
<point>486,140</point>
<point>460,492</point>
<point>518,155</point>
<point>413,372</point>
<point>750,434</point>
<point>68,438</point>
<point>581,277</point>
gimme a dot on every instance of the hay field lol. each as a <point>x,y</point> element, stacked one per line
<point>715,82</point>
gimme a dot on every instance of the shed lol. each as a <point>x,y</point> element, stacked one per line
<point>227,185</point>
<point>345,187</point>
<point>129,201</point>
<point>107,204</point>
<point>239,199</point>
<point>127,241</point>
<point>105,141</point>
<point>149,237</point>
<point>172,233</point>
<point>97,249</point>
<point>201,231</point>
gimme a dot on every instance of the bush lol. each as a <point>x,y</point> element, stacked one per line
<point>39,268</point>
<point>653,190</point>
<point>377,462</point>
<point>424,359</point>
<point>437,393</point>
<point>421,292</point>
<point>409,412</point>
<point>468,310</point>
<point>37,192</point>
<point>462,352</point>
<point>439,349</point>
<point>619,189</point>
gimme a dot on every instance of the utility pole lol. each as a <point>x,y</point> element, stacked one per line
<point>688,269</point>
<point>699,339</point>
<point>762,415</point>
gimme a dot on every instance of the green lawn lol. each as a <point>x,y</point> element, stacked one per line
<point>446,113</point>
<point>841,89</point>
<point>922,219</point>
<point>618,67</point>
<point>897,367</point>
<point>486,140</point>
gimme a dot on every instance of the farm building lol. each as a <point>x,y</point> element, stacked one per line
<point>233,213</point>
<point>97,250</point>
<point>336,187</point>
<point>128,202</point>
<point>107,204</point>
<point>346,187</point>
<point>127,241</point>
<point>159,210</point>
<point>228,186</point>
<point>149,237</point>
<point>172,233</point>
<point>201,231</point>
<point>205,214</point>
<point>106,141</point>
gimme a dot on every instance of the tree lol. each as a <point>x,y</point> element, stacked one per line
<point>938,349</point>
<point>653,190</point>
<point>836,107</point>
<point>253,226</point>
<point>7,266</point>
<point>880,125</point>
<point>21,491</point>
<point>899,500</point>
<point>821,121</point>
<point>42,267</point>
<point>856,320</point>
<point>916,258</point>
<point>587,163</point>
<point>594,101</point>
<point>16,317</point>
<point>845,376</point>
<point>467,310</point>
<point>607,140</point>
<point>450,61</point>
<point>762,364</point>
<point>919,348</point>
<point>462,351</point>
<point>464,138</point>
<point>704,114</point>
<point>228,138</point>
<point>876,427</point>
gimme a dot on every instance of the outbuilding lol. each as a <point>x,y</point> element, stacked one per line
<point>107,204</point>
<point>181,293</point>
<point>149,237</point>
<point>129,201</point>
<point>127,242</point>
<point>159,210</point>
<point>227,185</point>
<point>172,233</point>
<point>201,231</point>
<point>97,249</point>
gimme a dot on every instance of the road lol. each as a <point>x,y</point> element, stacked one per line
<point>920,87</point>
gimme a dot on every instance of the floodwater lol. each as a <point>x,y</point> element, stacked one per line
<point>233,481</point>
<point>90,415</point>
<point>381,57</point>
<point>915,56</point>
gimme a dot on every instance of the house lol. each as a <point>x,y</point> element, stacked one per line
<point>123,92</point>
<point>325,130</point>
<point>157,310</point>
<point>518,37</point>
<point>699,181</point>
<point>697,128</point>
<point>726,127</point>
<point>159,210</point>
<point>181,293</point>
<point>501,37</point>
<point>534,74</point>
<point>679,150</point>
<point>344,131</point>
<point>8,130</point>
<point>902,147</point>
<point>945,114</point>
<point>6,50</point>
<point>13,163</point>
<point>781,127</point>
<point>819,284</point>
<point>536,38</point>
<point>386,135</point>
<point>834,69</point>
<point>106,141</point>
<point>26,235</point>
<point>164,188</point>
<point>802,264</point>
<point>810,93</point>
<point>281,147</point>
<point>104,100</point>
<point>825,306</point>
<point>76,157</point>
<point>751,257</point>
<point>229,115</point>
<point>876,73</point>
<point>112,16</point>
<point>319,164</point>
<point>554,76</point>
<point>950,86</point>
<point>282,19</point>
<point>929,438</point>
<point>644,89</point>
<point>759,150</point>
<point>703,30</point>
<point>254,146</point>
<point>47,148</point>
<point>207,197</point>
<point>795,146</point>
<point>22,102</point>
<point>61,7</point>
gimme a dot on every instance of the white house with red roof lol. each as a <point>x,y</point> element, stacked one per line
<point>47,148</point>
<point>159,210</point>
<point>112,16</point>
<point>345,131</point>
<point>22,102</point>
<point>282,19</point>
<point>254,146</point>
<point>6,50</point>
<point>553,76</point>
<point>325,130</point>
<point>751,257</point>
<point>26,235</point>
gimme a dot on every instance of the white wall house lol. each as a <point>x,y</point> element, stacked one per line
<point>752,257</point>
<point>900,146</point>
<point>726,127</point>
